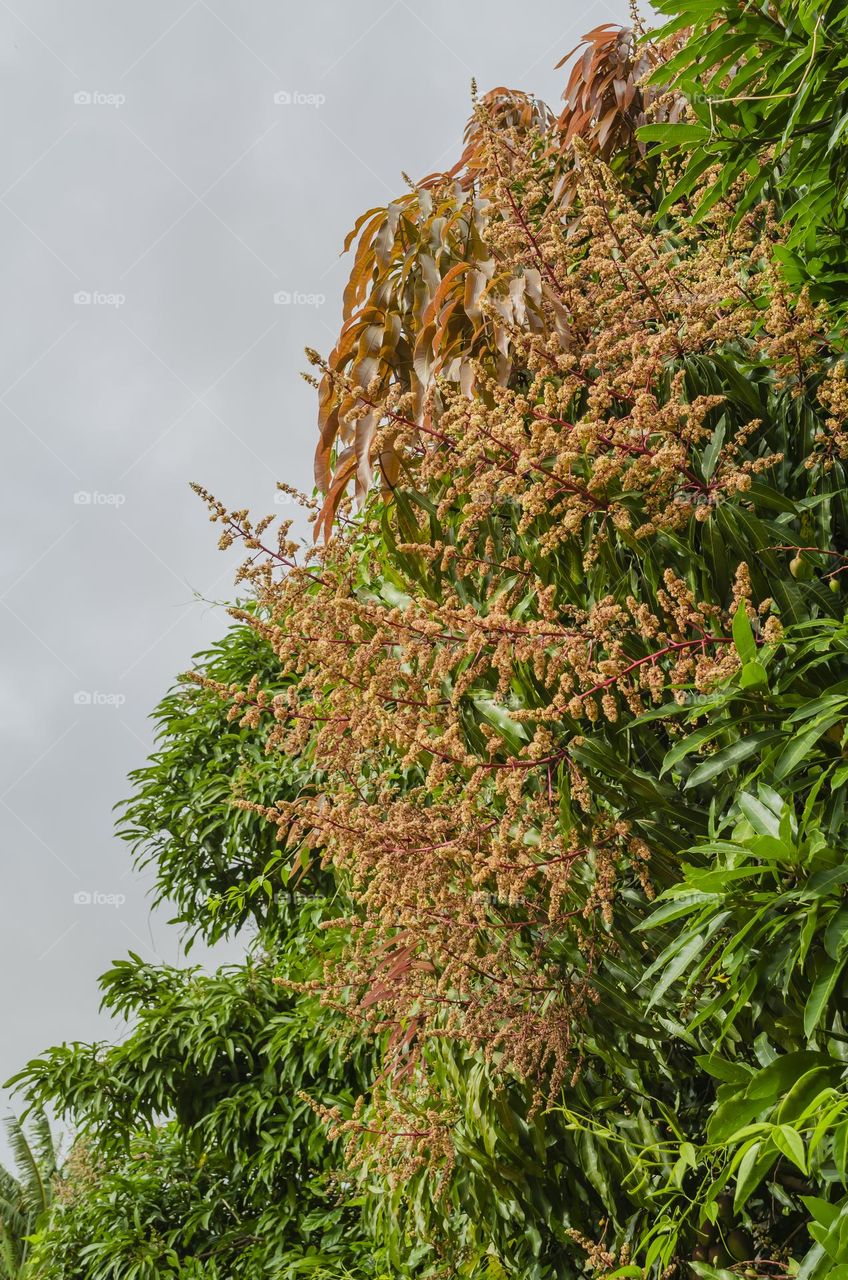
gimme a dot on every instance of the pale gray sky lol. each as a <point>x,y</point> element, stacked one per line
<point>147,167</point>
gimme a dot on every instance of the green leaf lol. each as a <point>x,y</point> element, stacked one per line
<point>678,965</point>
<point>807,1089</point>
<point>680,904</point>
<point>752,675</point>
<point>772,1081</point>
<point>761,818</point>
<point>823,986</point>
<point>840,1149</point>
<point>724,1069</point>
<point>800,746</point>
<point>713,449</point>
<point>821,1210</point>
<point>753,1167</point>
<point>707,1272</point>
<point>728,758</point>
<point>512,731</point>
<point>836,934</point>
<point>743,636</point>
<point>673,134</point>
<point>685,746</point>
<point>790,1144</point>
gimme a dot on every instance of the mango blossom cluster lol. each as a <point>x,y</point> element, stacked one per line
<point>527,580</point>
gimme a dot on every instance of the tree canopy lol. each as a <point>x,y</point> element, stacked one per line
<point>528,778</point>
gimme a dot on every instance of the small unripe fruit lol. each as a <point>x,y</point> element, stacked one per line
<point>740,1245</point>
<point>800,569</point>
<point>833,586</point>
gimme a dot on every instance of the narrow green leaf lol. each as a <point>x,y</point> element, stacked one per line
<point>790,1144</point>
<point>743,636</point>
<point>822,990</point>
<point>678,965</point>
<point>728,758</point>
<point>673,134</point>
<point>753,1167</point>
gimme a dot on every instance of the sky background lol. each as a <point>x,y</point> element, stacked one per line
<point>158,206</point>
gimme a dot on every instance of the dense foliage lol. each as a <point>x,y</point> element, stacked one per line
<point>767,88</point>
<point>199,1153</point>
<point>26,1193</point>
<point>530,776</point>
<point>236,1178</point>
<point>180,822</point>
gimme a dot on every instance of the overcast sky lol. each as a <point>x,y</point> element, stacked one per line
<point>167,169</point>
